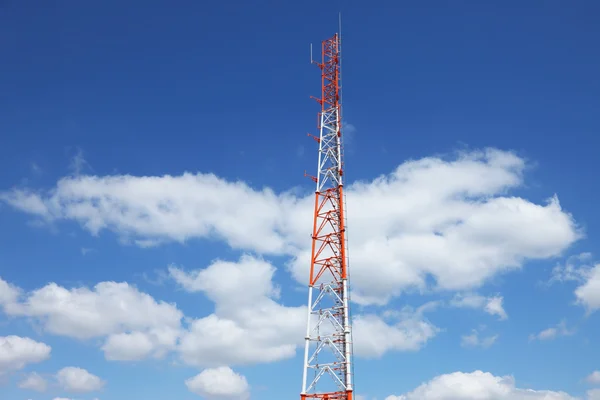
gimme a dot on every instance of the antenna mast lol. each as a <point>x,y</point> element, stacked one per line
<point>328,343</point>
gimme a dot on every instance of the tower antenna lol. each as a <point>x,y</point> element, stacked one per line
<point>328,342</point>
<point>340,58</point>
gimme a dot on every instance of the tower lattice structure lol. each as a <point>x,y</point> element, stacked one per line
<point>328,371</point>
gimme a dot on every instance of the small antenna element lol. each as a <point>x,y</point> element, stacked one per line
<point>341,55</point>
<point>340,25</point>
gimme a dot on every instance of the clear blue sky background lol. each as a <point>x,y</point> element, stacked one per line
<point>156,87</point>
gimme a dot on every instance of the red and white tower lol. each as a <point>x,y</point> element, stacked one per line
<point>328,349</point>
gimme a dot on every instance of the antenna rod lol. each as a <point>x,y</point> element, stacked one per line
<point>341,81</point>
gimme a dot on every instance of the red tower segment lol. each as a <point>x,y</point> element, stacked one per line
<point>328,347</point>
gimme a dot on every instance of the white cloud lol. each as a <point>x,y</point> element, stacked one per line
<point>373,337</point>
<point>588,293</point>
<point>593,394</point>
<point>78,162</point>
<point>27,201</point>
<point>137,345</point>
<point>34,381</point>
<point>16,352</point>
<point>231,283</point>
<point>476,385</point>
<point>170,208</point>
<point>8,293</point>
<point>494,307</point>
<point>580,268</point>
<point>248,325</point>
<point>73,379</point>
<point>116,310</point>
<point>594,377</point>
<point>447,220</point>
<point>553,332</point>
<point>107,308</point>
<point>219,384</point>
<point>576,269</point>
<point>491,305</point>
<point>474,340</point>
<point>128,346</point>
<point>451,220</point>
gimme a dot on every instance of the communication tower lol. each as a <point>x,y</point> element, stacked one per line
<point>328,368</point>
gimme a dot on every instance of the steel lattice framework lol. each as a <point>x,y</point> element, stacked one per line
<point>328,348</point>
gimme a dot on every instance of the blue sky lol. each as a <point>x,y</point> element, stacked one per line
<point>154,217</point>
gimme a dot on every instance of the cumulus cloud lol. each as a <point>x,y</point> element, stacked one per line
<point>475,340</point>
<point>163,208</point>
<point>451,220</point>
<point>135,323</point>
<point>593,378</point>
<point>593,394</point>
<point>248,325</point>
<point>580,269</point>
<point>477,385</point>
<point>554,332</point>
<point>16,352</point>
<point>130,346</point>
<point>588,293</point>
<point>447,219</point>
<point>575,268</point>
<point>74,379</point>
<point>219,384</point>
<point>8,293</point>
<point>34,381</point>
<point>107,308</point>
<point>491,305</point>
<point>409,331</point>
